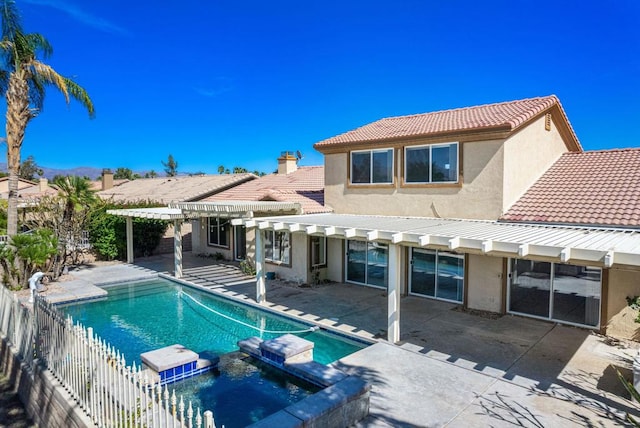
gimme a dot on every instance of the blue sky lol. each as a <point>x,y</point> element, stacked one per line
<point>236,82</point>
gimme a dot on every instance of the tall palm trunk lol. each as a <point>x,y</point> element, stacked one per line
<point>18,116</point>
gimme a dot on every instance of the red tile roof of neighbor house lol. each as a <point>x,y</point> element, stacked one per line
<point>305,185</point>
<point>506,116</point>
<point>589,188</point>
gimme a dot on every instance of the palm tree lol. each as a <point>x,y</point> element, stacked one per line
<point>77,197</point>
<point>23,79</point>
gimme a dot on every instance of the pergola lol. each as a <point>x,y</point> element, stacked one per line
<point>181,211</point>
<point>598,246</point>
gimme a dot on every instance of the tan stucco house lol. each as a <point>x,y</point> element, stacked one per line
<point>494,207</point>
<point>439,205</point>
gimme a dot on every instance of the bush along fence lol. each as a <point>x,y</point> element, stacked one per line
<point>91,371</point>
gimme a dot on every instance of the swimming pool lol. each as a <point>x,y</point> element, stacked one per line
<point>143,316</point>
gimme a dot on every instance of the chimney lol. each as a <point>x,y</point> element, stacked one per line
<point>287,163</point>
<point>107,179</point>
<point>44,185</point>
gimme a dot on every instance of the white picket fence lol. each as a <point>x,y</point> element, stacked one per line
<point>94,373</point>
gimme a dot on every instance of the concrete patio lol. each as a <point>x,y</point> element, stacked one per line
<point>451,368</point>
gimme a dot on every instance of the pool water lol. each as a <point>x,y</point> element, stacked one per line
<point>143,316</point>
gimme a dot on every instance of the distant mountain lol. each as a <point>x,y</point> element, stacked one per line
<point>81,171</point>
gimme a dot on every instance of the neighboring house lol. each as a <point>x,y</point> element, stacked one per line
<point>302,186</point>
<point>427,205</point>
<point>28,191</point>
<point>165,190</point>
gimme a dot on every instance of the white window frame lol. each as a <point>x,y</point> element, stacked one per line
<point>219,221</point>
<point>372,151</point>
<point>322,255</point>
<point>437,254</point>
<point>551,291</point>
<point>273,259</point>
<point>431,147</point>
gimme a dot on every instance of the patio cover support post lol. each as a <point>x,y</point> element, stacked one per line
<point>261,289</point>
<point>177,248</point>
<point>129,227</point>
<point>393,294</point>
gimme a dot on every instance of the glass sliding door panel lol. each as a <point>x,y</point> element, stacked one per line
<point>530,287</point>
<point>356,261</point>
<point>240,242</point>
<point>576,294</point>
<point>377,264</point>
<point>450,277</point>
<point>423,272</point>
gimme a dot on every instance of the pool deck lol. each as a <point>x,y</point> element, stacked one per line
<point>451,368</point>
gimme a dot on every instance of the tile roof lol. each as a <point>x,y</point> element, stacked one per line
<point>505,116</point>
<point>173,189</point>
<point>27,190</point>
<point>305,185</point>
<point>97,184</point>
<point>588,188</point>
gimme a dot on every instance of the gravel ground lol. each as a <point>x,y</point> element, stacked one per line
<point>12,412</point>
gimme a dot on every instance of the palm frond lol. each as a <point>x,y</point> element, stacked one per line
<point>11,20</point>
<point>629,386</point>
<point>4,81</point>
<point>48,75</point>
<point>6,45</point>
<point>36,91</point>
<point>23,51</point>
<point>80,95</point>
<point>38,42</point>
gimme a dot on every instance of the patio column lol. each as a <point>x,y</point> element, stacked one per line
<point>393,294</point>
<point>177,248</point>
<point>129,228</point>
<point>261,289</point>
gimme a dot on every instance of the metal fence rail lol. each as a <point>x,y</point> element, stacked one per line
<point>94,373</point>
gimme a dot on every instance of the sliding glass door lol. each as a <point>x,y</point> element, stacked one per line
<point>437,274</point>
<point>367,263</point>
<point>558,292</point>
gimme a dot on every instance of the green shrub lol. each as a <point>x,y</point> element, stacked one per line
<point>25,254</point>
<point>3,217</point>
<point>108,235</point>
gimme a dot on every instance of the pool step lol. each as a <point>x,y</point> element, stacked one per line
<point>173,363</point>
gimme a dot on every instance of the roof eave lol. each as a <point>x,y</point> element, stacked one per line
<point>480,134</point>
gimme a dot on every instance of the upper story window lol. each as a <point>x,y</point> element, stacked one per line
<point>372,166</point>
<point>219,231</point>
<point>435,163</point>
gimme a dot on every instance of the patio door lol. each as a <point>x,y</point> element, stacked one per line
<point>560,292</point>
<point>367,263</point>
<point>437,274</point>
<point>239,242</point>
